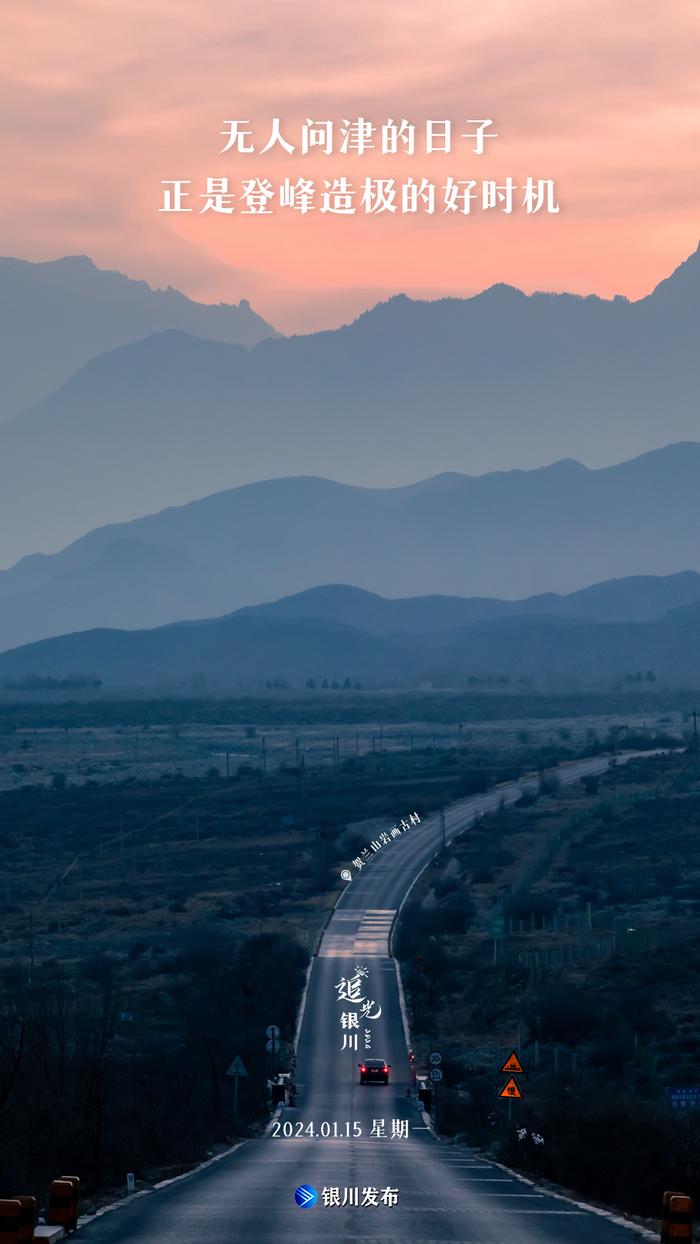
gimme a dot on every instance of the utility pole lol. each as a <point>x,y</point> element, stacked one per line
<point>442,827</point>
<point>264,755</point>
<point>31,947</point>
<point>695,730</point>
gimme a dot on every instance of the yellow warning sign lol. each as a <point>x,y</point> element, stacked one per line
<point>512,1066</point>
<point>511,1089</point>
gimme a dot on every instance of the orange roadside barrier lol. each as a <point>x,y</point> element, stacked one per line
<point>10,1218</point>
<point>61,1211</point>
<point>27,1221</point>
<point>75,1181</point>
<point>680,1218</point>
<point>665,1237</point>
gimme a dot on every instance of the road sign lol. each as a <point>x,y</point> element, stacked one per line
<point>435,1075</point>
<point>512,1066</point>
<point>498,926</point>
<point>684,1097</point>
<point>270,1046</point>
<point>130,1182</point>
<point>236,1070</point>
<point>511,1090</point>
<point>435,1059</point>
<point>272,1032</point>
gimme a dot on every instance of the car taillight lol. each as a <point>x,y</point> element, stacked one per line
<point>363,1068</point>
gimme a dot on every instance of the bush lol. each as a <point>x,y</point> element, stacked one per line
<point>621,1151</point>
<point>564,1014</point>
<point>525,906</point>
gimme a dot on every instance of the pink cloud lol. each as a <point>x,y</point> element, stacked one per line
<point>109,96</point>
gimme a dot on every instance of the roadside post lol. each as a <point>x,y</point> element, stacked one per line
<point>497,930</point>
<point>435,1075</point>
<point>236,1070</point>
<point>272,1033</point>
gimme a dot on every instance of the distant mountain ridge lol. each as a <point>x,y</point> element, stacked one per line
<point>56,316</point>
<point>508,536</point>
<point>296,640</point>
<point>409,389</point>
<point>641,598</point>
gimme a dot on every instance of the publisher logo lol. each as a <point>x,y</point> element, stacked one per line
<point>305,1196</point>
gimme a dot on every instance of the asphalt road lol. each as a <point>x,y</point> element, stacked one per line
<point>446,1195</point>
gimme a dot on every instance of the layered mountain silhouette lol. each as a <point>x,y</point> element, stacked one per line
<point>400,643</point>
<point>409,389</point>
<point>508,535</point>
<point>643,598</point>
<point>56,316</point>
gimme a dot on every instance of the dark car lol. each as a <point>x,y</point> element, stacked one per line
<point>374,1071</point>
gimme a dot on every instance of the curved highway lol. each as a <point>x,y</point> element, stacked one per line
<point>443,1193</point>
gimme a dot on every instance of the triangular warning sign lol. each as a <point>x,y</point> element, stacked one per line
<point>511,1089</point>
<point>512,1066</point>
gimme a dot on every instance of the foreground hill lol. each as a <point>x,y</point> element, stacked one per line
<point>55,317</point>
<point>409,389</point>
<point>283,643</point>
<point>505,535</point>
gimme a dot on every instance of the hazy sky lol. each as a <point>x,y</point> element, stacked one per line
<point>103,98</point>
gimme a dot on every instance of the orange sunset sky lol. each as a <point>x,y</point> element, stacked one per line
<point>103,98</point>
